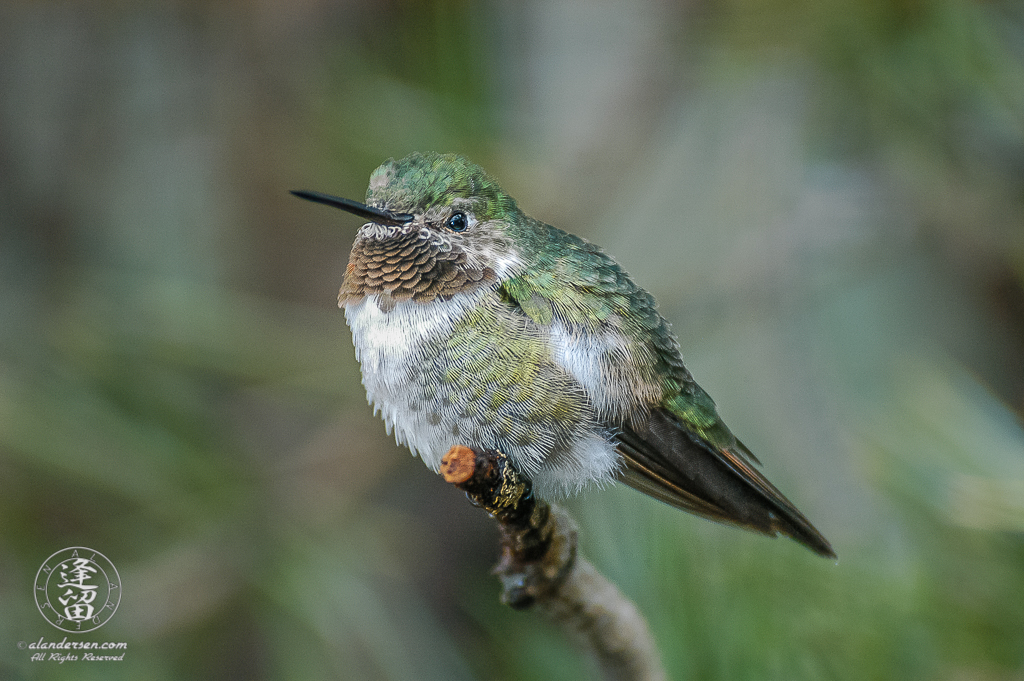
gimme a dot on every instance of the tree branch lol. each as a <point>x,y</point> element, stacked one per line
<point>540,567</point>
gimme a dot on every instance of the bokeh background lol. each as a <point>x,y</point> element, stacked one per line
<point>825,197</point>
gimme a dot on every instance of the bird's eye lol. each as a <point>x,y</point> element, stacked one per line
<point>457,222</point>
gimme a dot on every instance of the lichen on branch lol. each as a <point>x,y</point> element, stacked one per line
<point>540,567</point>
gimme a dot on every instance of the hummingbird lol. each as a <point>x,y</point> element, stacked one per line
<point>476,324</point>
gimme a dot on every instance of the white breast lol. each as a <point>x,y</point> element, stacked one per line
<point>385,340</point>
<point>395,350</point>
<point>391,348</point>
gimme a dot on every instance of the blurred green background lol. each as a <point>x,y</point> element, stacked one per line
<point>825,197</point>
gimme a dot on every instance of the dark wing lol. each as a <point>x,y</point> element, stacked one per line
<point>672,464</point>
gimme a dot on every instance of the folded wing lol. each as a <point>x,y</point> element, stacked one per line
<point>670,463</point>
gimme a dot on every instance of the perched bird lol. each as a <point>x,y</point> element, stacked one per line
<point>476,324</point>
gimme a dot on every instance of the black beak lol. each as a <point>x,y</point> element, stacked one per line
<point>375,215</point>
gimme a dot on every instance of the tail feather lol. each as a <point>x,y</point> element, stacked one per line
<point>671,464</point>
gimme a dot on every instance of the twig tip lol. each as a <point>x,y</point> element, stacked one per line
<point>458,465</point>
